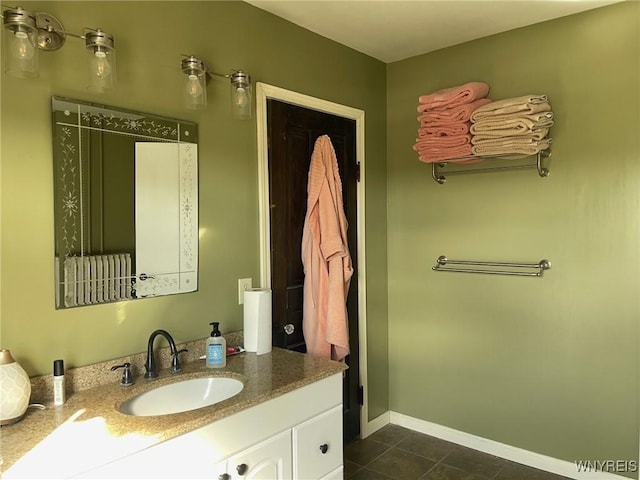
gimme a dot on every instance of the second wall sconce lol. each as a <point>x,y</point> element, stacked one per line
<point>28,32</point>
<point>194,91</point>
<point>102,60</point>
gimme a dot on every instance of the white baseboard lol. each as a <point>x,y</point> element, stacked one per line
<point>374,425</point>
<point>515,454</point>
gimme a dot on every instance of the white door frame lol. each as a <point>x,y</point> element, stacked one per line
<point>263,93</point>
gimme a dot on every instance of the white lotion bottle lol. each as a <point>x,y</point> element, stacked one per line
<point>58,382</point>
<point>216,348</point>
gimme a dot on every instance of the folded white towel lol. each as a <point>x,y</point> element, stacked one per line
<point>512,145</point>
<point>515,123</point>
<point>526,105</point>
<point>509,134</point>
<point>516,139</point>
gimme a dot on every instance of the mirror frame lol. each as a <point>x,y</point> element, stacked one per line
<point>81,272</point>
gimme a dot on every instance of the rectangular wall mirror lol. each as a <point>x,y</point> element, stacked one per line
<point>125,204</point>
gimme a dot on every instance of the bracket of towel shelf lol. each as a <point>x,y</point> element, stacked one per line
<point>440,175</point>
<point>538,268</point>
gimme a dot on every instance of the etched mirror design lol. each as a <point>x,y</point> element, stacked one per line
<point>125,204</point>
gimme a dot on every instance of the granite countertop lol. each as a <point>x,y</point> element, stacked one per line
<point>88,430</point>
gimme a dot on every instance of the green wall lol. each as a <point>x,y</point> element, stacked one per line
<point>150,36</point>
<point>551,364</point>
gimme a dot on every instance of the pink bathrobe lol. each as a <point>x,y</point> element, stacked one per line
<point>326,258</point>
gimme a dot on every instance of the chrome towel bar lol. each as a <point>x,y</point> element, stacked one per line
<point>440,176</point>
<point>442,266</point>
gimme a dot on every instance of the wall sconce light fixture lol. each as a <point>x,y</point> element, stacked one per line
<point>102,60</point>
<point>28,32</point>
<point>241,98</point>
<point>195,87</point>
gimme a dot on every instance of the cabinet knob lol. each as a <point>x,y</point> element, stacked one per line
<point>289,328</point>
<point>242,469</point>
<point>224,476</point>
<point>324,448</point>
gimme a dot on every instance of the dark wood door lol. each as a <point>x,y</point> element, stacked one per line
<point>292,132</point>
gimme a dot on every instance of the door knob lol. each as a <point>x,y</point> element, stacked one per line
<point>289,328</point>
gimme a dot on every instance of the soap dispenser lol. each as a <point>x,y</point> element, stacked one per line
<point>216,348</point>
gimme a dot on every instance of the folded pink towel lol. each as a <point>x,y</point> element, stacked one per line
<point>527,105</point>
<point>453,97</point>
<point>514,124</point>
<point>441,142</point>
<point>444,130</point>
<point>459,114</point>
<point>440,154</point>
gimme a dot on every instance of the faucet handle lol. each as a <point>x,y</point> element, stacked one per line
<point>175,361</point>
<point>127,377</point>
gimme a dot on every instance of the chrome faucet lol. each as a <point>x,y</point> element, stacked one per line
<point>127,378</point>
<point>150,364</point>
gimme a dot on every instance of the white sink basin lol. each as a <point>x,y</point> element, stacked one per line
<point>182,396</point>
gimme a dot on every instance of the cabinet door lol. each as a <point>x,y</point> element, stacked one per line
<point>317,445</point>
<point>268,460</point>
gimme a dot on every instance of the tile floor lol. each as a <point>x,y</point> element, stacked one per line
<point>397,453</point>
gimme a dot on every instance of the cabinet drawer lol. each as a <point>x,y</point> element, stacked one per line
<point>317,445</point>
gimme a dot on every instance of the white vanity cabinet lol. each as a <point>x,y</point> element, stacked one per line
<point>311,450</point>
<point>296,436</point>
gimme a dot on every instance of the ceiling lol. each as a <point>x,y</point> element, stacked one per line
<point>392,30</point>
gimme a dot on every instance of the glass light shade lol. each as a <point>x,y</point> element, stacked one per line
<point>241,96</point>
<point>15,389</point>
<point>21,53</point>
<point>101,60</point>
<point>102,69</point>
<point>195,91</point>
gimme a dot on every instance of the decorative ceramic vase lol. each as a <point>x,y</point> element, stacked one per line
<point>15,389</point>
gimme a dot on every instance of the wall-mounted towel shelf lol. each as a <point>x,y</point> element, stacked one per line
<point>440,175</point>
<point>517,269</point>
